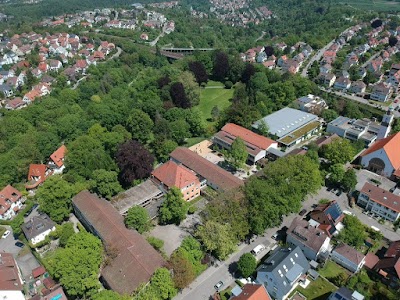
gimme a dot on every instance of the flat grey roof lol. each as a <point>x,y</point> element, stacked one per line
<point>136,196</point>
<point>286,120</point>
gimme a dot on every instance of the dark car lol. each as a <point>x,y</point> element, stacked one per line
<point>19,244</point>
<point>302,212</point>
<point>28,212</point>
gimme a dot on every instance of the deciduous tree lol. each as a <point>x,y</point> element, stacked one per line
<point>237,155</point>
<point>199,71</point>
<point>174,208</point>
<point>140,125</point>
<point>138,218</point>
<point>339,151</point>
<point>134,161</point>
<point>105,183</point>
<point>247,264</point>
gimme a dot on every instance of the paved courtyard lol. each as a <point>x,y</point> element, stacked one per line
<point>172,236</point>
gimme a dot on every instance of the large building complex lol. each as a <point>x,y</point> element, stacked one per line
<point>365,130</point>
<point>256,145</point>
<point>290,126</point>
<point>135,261</point>
<point>208,173</point>
<point>379,201</point>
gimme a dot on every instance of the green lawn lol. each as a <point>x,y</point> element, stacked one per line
<point>193,141</point>
<point>318,289</point>
<point>214,96</point>
<point>374,5</point>
<point>332,269</point>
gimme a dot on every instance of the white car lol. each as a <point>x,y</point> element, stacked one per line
<point>6,234</point>
<point>218,286</point>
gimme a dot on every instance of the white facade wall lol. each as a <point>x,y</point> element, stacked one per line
<point>41,237</point>
<point>388,171</point>
<point>346,263</point>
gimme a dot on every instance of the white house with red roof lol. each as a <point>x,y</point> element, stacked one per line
<point>172,174</point>
<point>11,284</point>
<point>10,202</point>
<point>56,161</point>
<point>348,257</point>
<point>383,157</point>
<point>256,145</point>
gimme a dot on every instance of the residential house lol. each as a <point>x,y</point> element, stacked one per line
<point>388,266</point>
<point>54,65</point>
<point>171,174</point>
<point>135,260</point>
<point>312,104</point>
<point>144,36</point>
<point>365,129</point>
<point>11,283</point>
<point>394,69</point>
<point>327,216</point>
<point>10,202</point>
<point>6,90</point>
<point>282,60</point>
<point>208,173</point>
<point>380,202</point>
<point>37,175</point>
<point>375,65</point>
<point>381,92</point>
<point>15,103</point>
<point>281,272</point>
<point>38,228</point>
<point>342,83</point>
<point>325,69</point>
<point>383,157</point>
<point>54,293</point>
<point>394,80</point>
<point>358,87</point>
<point>314,242</point>
<point>31,96</point>
<point>56,161</point>
<point>343,293</point>
<point>327,79</point>
<point>348,257</point>
<point>269,64</point>
<point>252,291</point>
<point>256,145</point>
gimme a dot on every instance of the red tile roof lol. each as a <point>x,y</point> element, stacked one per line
<point>350,253</point>
<point>39,271</point>
<point>253,292</point>
<point>214,174</point>
<point>8,193</point>
<point>391,145</point>
<point>371,260</point>
<point>135,261</point>
<point>248,136</point>
<point>173,175</point>
<point>36,170</point>
<point>9,277</point>
<point>393,250</point>
<point>382,196</point>
<point>58,156</point>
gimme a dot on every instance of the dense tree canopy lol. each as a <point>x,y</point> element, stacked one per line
<point>173,210</point>
<point>138,218</point>
<point>247,264</point>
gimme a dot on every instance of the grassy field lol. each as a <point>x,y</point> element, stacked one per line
<point>332,269</point>
<point>214,94</point>
<point>2,230</point>
<point>319,289</point>
<point>374,5</point>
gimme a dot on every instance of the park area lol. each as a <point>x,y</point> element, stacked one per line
<point>214,94</point>
<point>374,5</point>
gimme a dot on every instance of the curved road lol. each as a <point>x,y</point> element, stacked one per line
<point>319,54</point>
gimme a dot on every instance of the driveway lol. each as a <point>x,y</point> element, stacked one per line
<point>27,263</point>
<point>7,245</point>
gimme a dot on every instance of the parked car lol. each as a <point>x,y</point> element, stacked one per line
<point>6,234</point>
<point>302,212</point>
<point>339,192</point>
<point>218,285</point>
<point>19,244</point>
<point>275,235</point>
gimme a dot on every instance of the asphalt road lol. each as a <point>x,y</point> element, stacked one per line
<point>203,287</point>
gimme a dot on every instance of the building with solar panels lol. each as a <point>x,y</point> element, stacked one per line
<point>290,126</point>
<point>328,216</point>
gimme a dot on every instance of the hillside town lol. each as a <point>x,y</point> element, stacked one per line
<point>134,172</point>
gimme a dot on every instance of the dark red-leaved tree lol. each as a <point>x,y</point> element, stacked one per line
<point>376,23</point>
<point>163,81</point>
<point>178,95</point>
<point>269,50</point>
<point>134,161</point>
<point>199,71</point>
<point>392,41</point>
<point>220,66</point>
<point>248,71</point>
